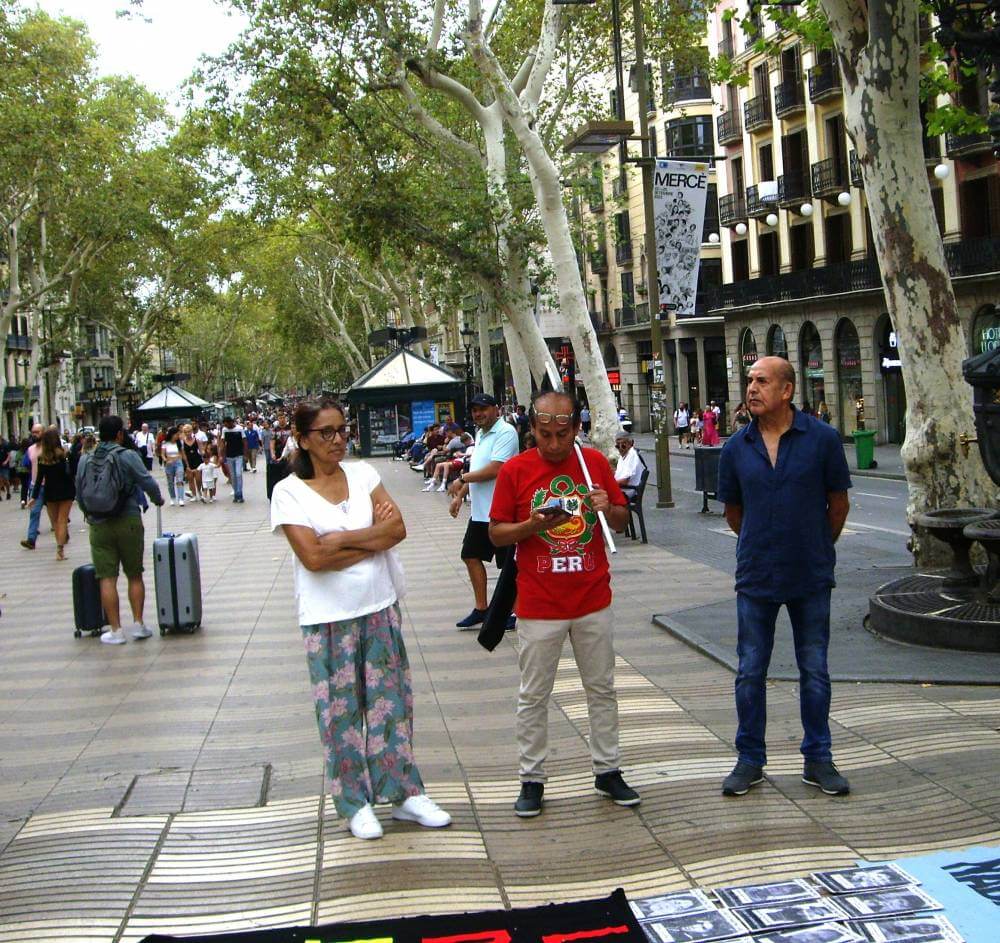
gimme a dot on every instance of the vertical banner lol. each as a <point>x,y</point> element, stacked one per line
<point>679,192</point>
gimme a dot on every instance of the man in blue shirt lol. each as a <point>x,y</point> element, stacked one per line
<point>783,479</point>
<point>496,442</point>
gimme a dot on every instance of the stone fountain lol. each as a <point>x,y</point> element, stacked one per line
<point>959,608</point>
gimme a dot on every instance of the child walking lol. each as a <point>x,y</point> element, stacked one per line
<point>209,472</point>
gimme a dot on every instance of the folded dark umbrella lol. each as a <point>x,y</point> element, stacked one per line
<point>501,605</point>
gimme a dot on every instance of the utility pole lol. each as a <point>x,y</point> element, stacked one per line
<point>657,394</point>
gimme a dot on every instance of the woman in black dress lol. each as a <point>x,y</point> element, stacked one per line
<point>191,454</point>
<point>53,474</point>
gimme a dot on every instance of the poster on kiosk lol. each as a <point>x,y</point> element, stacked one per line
<point>680,189</point>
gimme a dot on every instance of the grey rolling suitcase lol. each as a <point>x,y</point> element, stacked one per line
<point>177,575</point>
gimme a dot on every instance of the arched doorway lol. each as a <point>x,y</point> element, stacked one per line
<point>986,329</point>
<point>813,385</point>
<point>851,393</point>
<point>890,391</point>
<point>777,344</point>
<point>748,357</point>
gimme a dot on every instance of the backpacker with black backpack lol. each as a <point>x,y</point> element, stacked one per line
<point>102,490</point>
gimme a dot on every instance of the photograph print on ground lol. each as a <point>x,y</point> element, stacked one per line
<point>926,928</point>
<point>820,933</point>
<point>900,900</point>
<point>694,928</point>
<point>776,893</point>
<point>693,901</point>
<point>780,916</point>
<point>849,880</point>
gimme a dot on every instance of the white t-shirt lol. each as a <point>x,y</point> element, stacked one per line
<point>144,442</point>
<point>171,451</point>
<point>335,595</point>
<point>629,470</point>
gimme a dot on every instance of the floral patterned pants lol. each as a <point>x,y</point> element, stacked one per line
<point>364,707</point>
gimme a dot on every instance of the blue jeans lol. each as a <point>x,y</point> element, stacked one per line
<point>236,470</point>
<point>175,479</point>
<point>810,617</point>
<point>35,515</point>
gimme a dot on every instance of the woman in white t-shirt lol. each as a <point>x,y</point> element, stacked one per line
<point>342,525</point>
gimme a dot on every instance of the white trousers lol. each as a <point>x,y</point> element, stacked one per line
<point>541,643</point>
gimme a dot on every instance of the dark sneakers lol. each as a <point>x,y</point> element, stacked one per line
<point>824,775</point>
<point>613,787</point>
<point>28,544</point>
<point>473,619</point>
<point>741,779</point>
<point>529,802</point>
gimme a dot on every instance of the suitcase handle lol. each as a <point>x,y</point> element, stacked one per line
<point>159,521</point>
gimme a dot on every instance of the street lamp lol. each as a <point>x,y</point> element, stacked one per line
<point>468,334</point>
<point>646,162</point>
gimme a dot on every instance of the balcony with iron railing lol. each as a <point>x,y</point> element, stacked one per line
<point>789,97</point>
<point>732,209</point>
<point>966,258</point>
<point>623,252</point>
<point>726,47</point>
<point>829,177</point>
<point>728,127</point>
<point>625,316</point>
<point>600,325</point>
<point>596,198</point>
<point>757,113</point>
<point>599,261</point>
<point>965,145</point>
<point>824,82</point>
<point>794,188</point>
<point>18,342</point>
<point>757,206</point>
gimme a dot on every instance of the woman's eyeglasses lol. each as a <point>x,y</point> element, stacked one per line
<point>560,419</point>
<point>329,433</point>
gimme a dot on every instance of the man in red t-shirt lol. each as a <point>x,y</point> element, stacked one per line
<point>563,588</point>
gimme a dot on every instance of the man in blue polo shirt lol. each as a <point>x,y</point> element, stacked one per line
<point>496,442</point>
<point>783,479</point>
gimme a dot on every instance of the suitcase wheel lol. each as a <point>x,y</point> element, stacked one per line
<point>77,633</point>
<point>163,630</point>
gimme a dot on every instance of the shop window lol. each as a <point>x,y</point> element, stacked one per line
<point>849,376</point>
<point>811,350</point>
<point>777,345</point>
<point>986,330</point>
<point>748,357</point>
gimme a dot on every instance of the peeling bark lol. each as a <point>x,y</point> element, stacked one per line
<point>879,52</point>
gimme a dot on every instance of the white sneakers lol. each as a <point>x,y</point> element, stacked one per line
<point>364,825</point>
<point>420,809</point>
<point>180,503</point>
<point>444,486</point>
<point>423,810</point>
<point>172,502</point>
<point>111,637</point>
<point>140,630</point>
<point>429,484</point>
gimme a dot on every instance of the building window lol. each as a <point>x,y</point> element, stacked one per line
<point>811,351</point>
<point>748,357</point>
<point>777,345</point>
<point>689,137</point>
<point>711,212</point>
<point>849,375</point>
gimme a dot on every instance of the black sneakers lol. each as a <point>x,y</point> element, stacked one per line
<point>743,776</point>
<point>473,619</point>
<point>529,802</point>
<point>613,787</point>
<point>824,775</point>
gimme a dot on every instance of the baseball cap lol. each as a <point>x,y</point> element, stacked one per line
<point>482,399</point>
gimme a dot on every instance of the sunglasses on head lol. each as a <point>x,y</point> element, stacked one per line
<point>560,419</point>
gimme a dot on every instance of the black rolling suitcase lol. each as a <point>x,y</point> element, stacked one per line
<point>177,575</point>
<point>88,613</point>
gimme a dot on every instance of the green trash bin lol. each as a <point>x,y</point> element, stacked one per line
<point>864,448</point>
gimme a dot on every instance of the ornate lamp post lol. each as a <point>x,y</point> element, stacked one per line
<point>468,334</point>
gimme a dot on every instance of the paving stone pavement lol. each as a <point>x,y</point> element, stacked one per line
<point>174,785</point>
